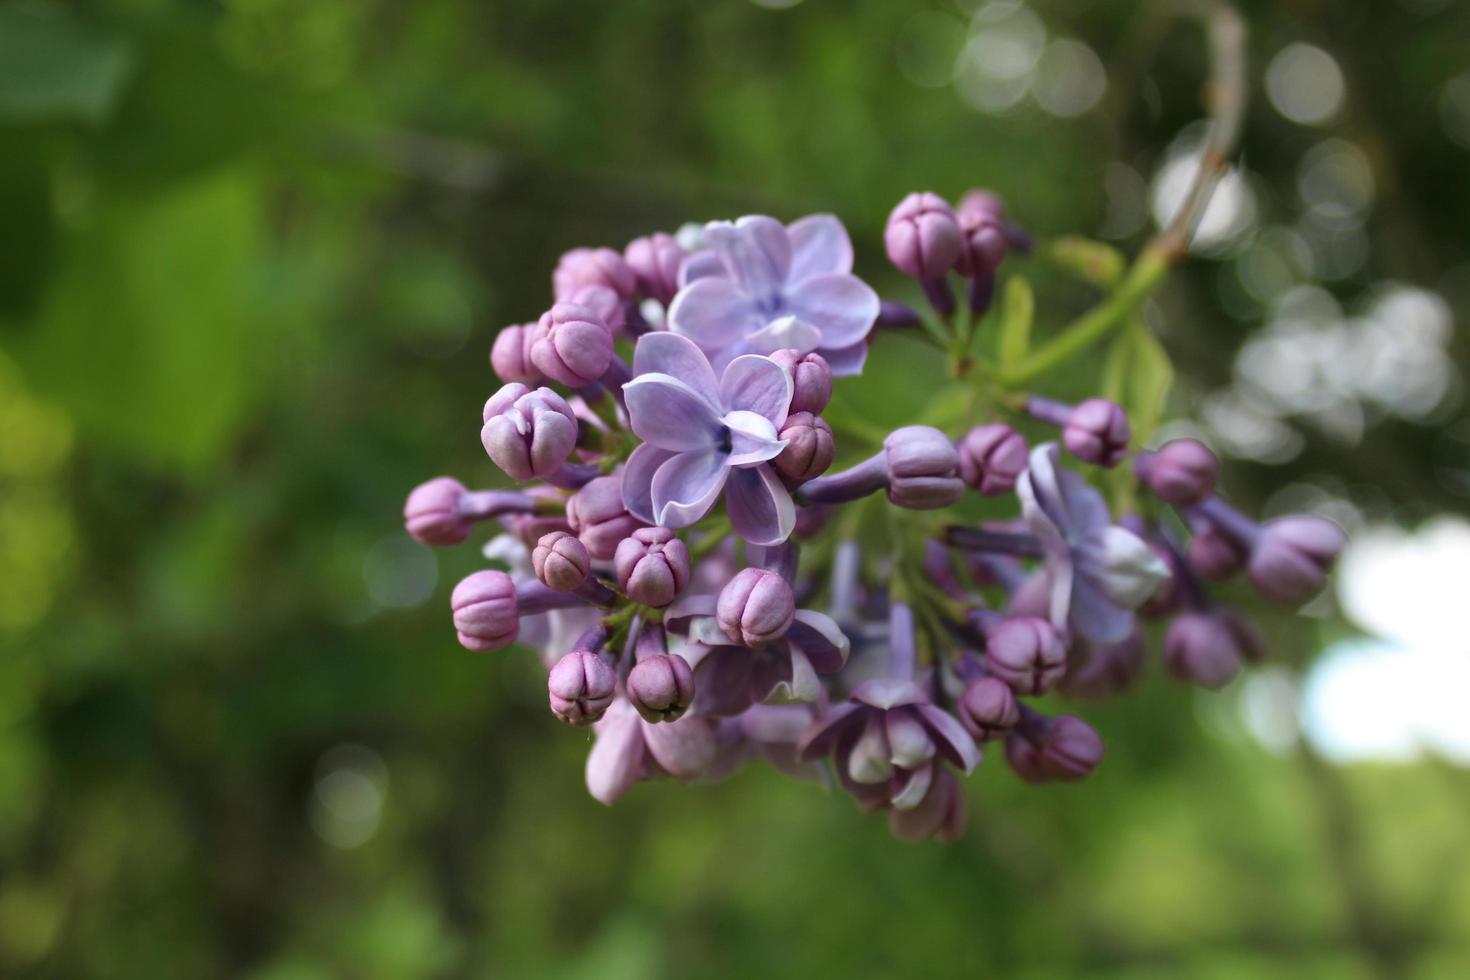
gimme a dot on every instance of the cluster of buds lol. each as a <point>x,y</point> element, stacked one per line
<point>679,550</point>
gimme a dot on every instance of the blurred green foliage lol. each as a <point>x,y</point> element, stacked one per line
<point>252,256</point>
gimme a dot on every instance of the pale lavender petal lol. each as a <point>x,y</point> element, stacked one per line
<point>954,743</point>
<point>757,384</point>
<point>868,762</point>
<point>912,787</point>
<point>666,412</point>
<point>755,250</point>
<point>1119,563</point>
<point>617,755</point>
<point>923,821</point>
<point>714,313</point>
<point>638,474</point>
<point>843,307</point>
<point>821,639</point>
<point>783,333</point>
<point>776,723</point>
<point>753,439</point>
<point>845,362</point>
<point>820,738</point>
<point>889,692</point>
<point>661,352</point>
<point>700,265</point>
<point>1094,617</point>
<point>803,685</point>
<point>760,508</point>
<point>908,740</point>
<point>683,748</point>
<point>686,487</point>
<point>770,670</point>
<point>819,247</point>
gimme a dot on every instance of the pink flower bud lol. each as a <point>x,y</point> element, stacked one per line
<point>755,607</point>
<point>572,345</point>
<point>655,261</point>
<point>661,687</point>
<point>811,379</point>
<point>652,566</point>
<point>992,458</point>
<point>528,434</point>
<point>1063,748</point>
<point>923,236</point>
<point>1292,557</point>
<point>1097,432</point>
<point>485,613</point>
<point>592,267</point>
<point>432,515</point>
<point>561,561</point>
<point>1027,654</point>
<point>1213,555</point>
<point>580,687</point>
<point>602,301</point>
<point>510,355</point>
<point>923,468</point>
<point>596,512</point>
<point>983,248</point>
<point>1207,648</point>
<point>809,446</point>
<point>1182,472</point>
<point>988,708</point>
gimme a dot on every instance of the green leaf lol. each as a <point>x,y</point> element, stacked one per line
<point>1018,311</point>
<point>1148,378</point>
<point>144,335</point>
<point>1088,260</point>
<point>54,66</point>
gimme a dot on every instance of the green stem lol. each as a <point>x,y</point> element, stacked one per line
<point>1143,278</point>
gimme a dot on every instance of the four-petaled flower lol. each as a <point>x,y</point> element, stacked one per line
<point>1099,572</point>
<point>762,286</point>
<point>702,436</point>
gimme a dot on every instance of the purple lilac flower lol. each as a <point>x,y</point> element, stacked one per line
<point>629,749</point>
<point>703,437</point>
<point>764,287</point>
<point>1099,572</point>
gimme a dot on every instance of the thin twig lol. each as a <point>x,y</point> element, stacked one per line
<point>1225,95</point>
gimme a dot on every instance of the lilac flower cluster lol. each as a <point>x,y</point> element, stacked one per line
<point>706,590</point>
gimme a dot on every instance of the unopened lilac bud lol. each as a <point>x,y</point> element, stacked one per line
<point>432,513</point>
<point>1071,749</point>
<point>923,236</point>
<point>1292,557</point>
<point>980,206</point>
<point>811,379</point>
<point>988,708</point>
<point>1026,653</point>
<point>597,513</point>
<point>652,566</point>
<point>561,561</point>
<point>983,247</point>
<point>809,446</point>
<point>1106,670</point>
<point>1202,648</point>
<point>661,687</point>
<point>923,468</point>
<point>528,433</point>
<point>592,267</point>
<point>655,261</point>
<point>1097,432</point>
<point>755,607</point>
<point>1213,555</point>
<point>1182,472</point>
<point>580,687</point>
<point>485,614</point>
<point>572,345</point>
<point>602,301</point>
<point>1065,748</point>
<point>510,355</point>
<point>992,458</point>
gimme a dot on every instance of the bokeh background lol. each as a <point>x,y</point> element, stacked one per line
<point>252,257</point>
